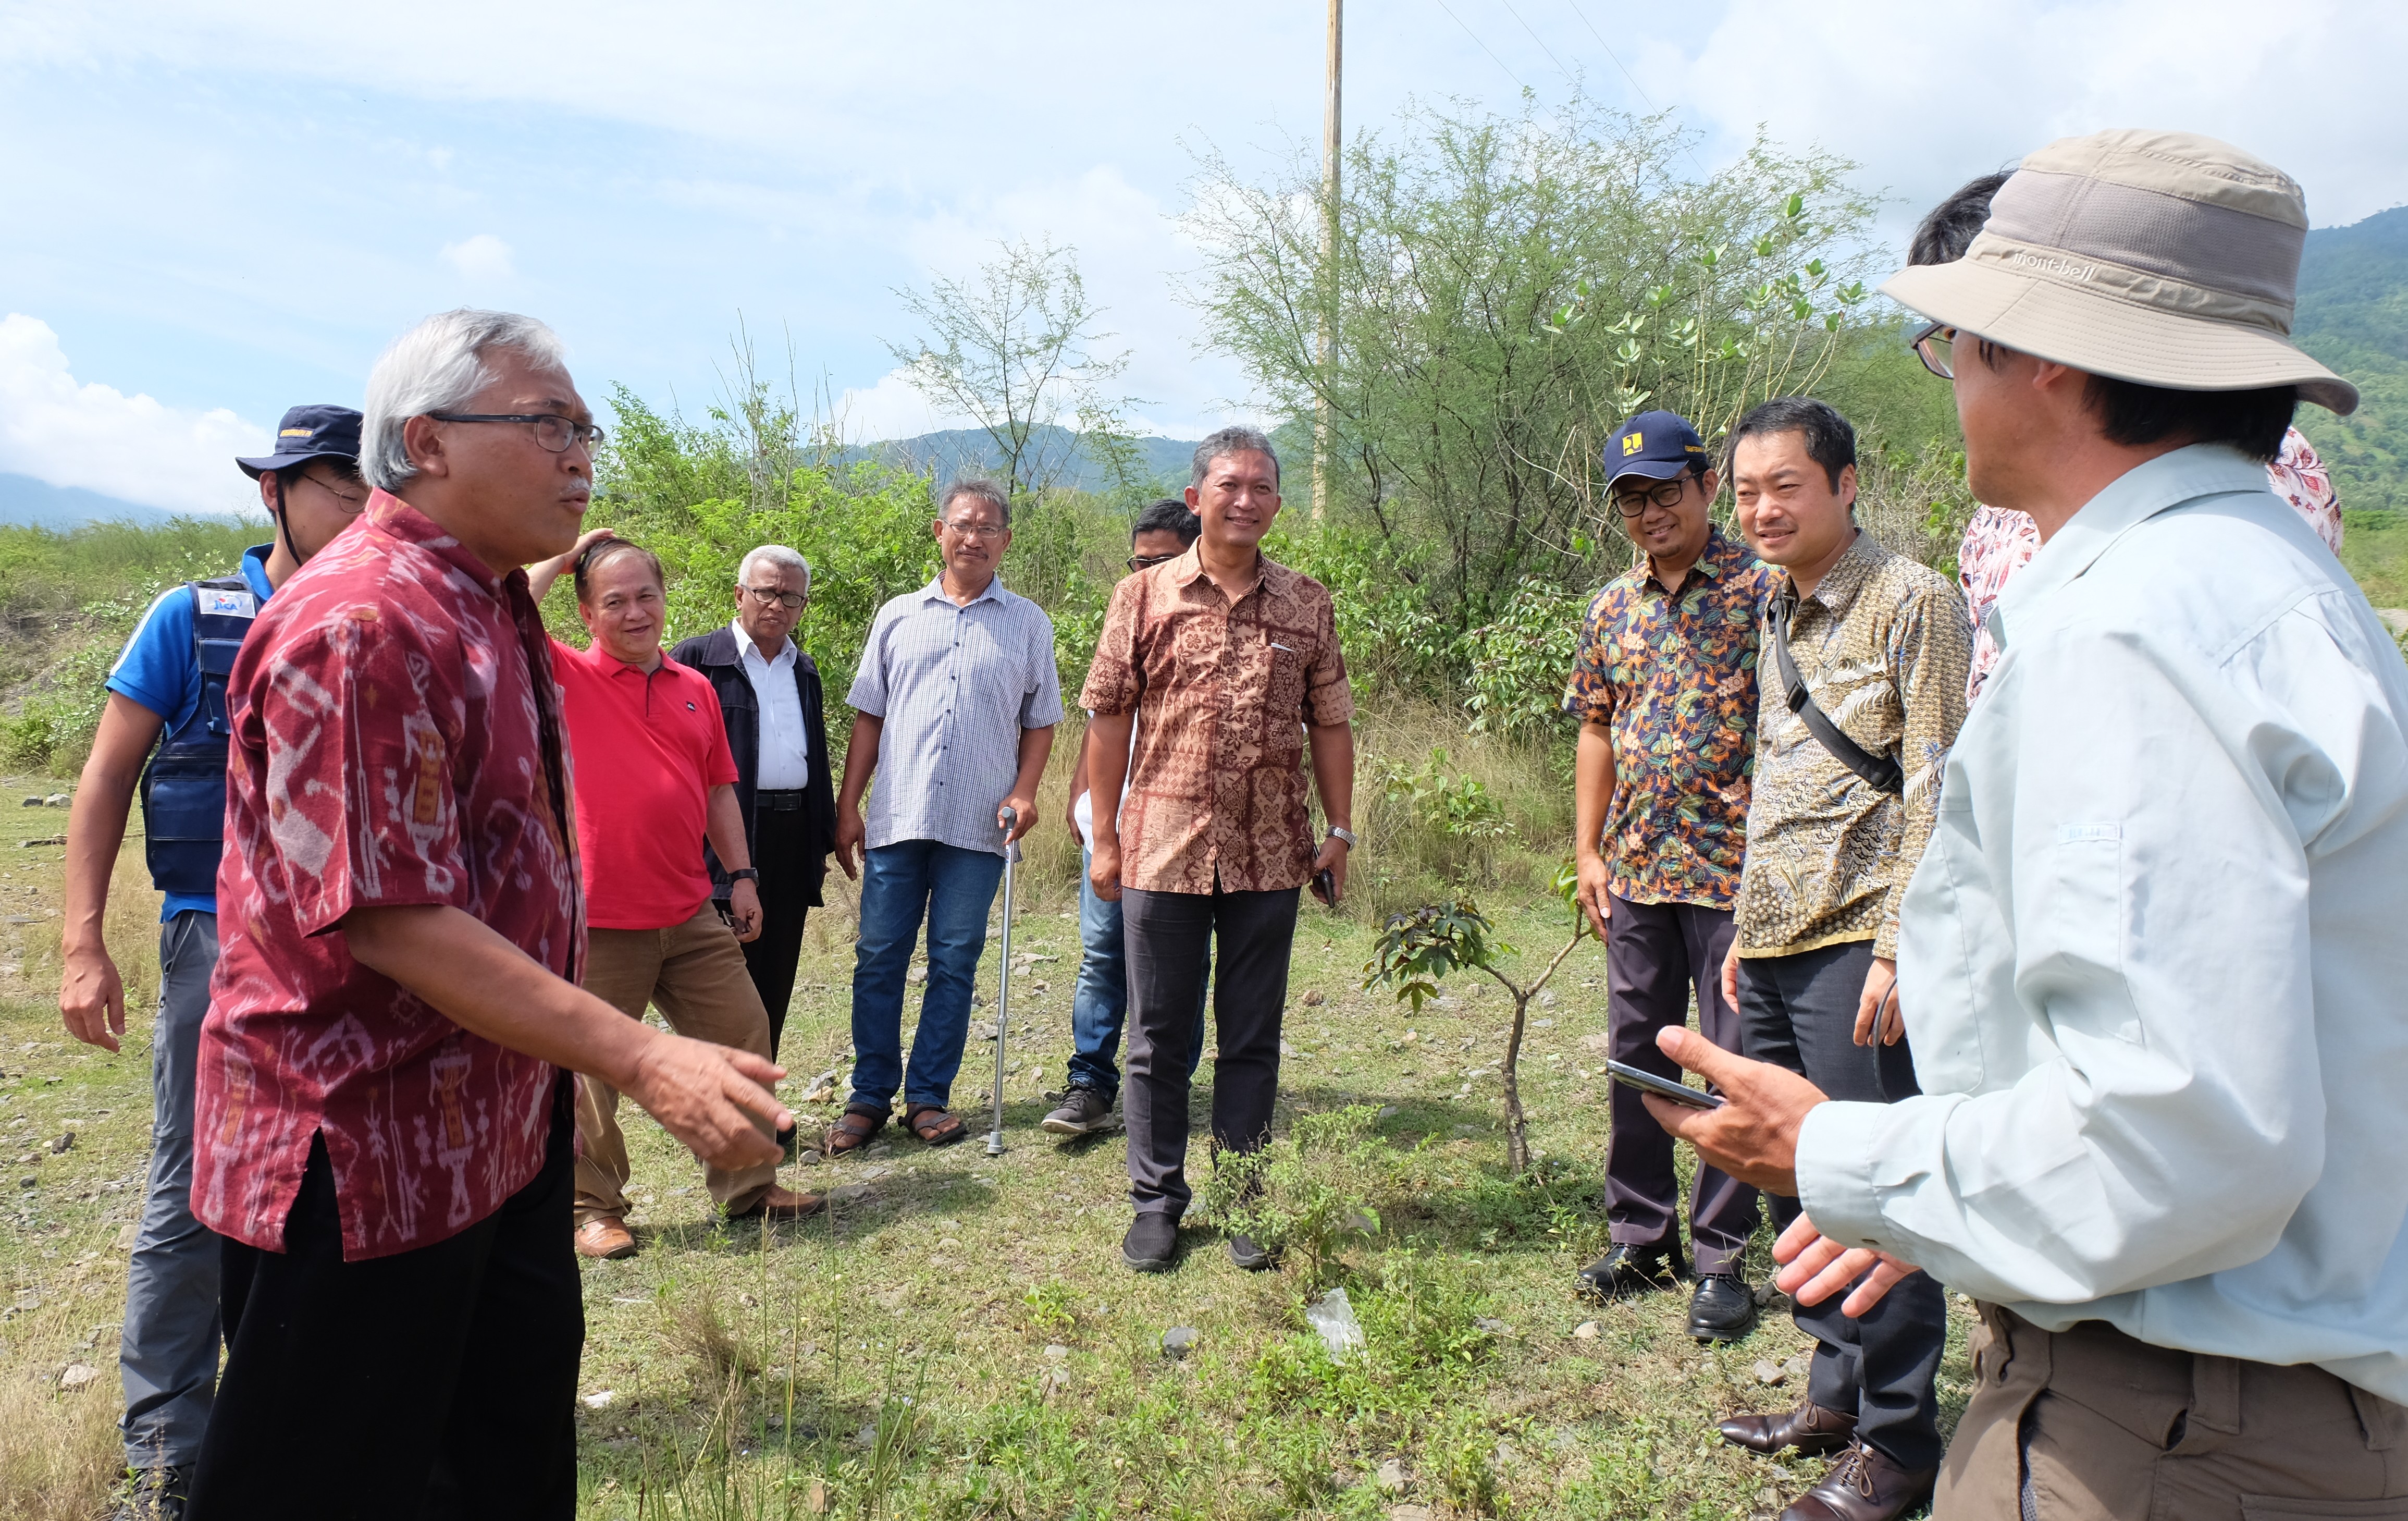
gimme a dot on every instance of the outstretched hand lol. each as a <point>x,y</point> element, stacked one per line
<point>713,1100</point>
<point>1753,1135</point>
<point>1814,1268</point>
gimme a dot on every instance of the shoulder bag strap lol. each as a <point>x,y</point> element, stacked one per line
<point>1879,771</point>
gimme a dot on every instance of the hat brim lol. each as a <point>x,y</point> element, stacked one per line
<point>1649,469</point>
<point>256,465</point>
<point>2107,336</point>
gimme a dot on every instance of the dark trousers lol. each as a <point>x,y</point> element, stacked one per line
<point>1170,935</point>
<point>1655,954</point>
<point>435,1383</point>
<point>1800,1013</point>
<point>789,878</point>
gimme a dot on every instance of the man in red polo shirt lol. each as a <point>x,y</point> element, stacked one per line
<point>383,1123</point>
<point>655,780</point>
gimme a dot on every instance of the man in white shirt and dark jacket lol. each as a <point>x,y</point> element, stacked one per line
<point>2152,963</point>
<point>769,696</point>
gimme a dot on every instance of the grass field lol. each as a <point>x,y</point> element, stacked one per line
<point>957,1337</point>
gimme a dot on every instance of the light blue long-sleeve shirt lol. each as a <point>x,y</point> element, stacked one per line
<point>2155,963</point>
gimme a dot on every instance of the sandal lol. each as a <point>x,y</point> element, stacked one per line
<point>852,1129</point>
<point>933,1125</point>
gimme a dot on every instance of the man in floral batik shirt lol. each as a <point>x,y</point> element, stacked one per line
<point>1664,687</point>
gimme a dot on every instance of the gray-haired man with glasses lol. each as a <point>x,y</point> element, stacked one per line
<point>771,701</point>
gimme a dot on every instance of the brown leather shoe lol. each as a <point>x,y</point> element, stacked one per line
<point>1813,1430</point>
<point>606,1236</point>
<point>783,1204</point>
<point>1863,1485</point>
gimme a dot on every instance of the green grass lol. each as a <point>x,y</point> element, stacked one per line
<point>898,1356</point>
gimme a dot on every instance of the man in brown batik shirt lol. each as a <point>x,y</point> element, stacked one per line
<point>1234,663</point>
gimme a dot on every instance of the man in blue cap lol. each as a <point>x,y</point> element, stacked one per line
<point>171,681</point>
<point>1664,687</point>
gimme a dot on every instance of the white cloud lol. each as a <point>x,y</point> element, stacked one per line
<point>98,437</point>
<point>483,258</point>
<point>892,409</point>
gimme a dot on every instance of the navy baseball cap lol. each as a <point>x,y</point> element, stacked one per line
<point>1657,445</point>
<point>305,434</point>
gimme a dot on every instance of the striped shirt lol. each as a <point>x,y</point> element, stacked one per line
<point>955,686</point>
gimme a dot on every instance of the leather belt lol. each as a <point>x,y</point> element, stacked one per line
<point>783,800</point>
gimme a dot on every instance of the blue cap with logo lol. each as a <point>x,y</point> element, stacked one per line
<point>1657,445</point>
<point>308,433</point>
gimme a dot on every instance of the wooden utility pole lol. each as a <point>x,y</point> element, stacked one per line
<point>1330,136</point>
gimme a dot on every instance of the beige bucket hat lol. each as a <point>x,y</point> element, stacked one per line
<point>2165,258</point>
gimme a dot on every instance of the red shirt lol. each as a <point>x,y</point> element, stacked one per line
<point>649,746</point>
<point>391,745</point>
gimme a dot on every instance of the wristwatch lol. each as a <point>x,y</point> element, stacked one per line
<point>745,873</point>
<point>1346,835</point>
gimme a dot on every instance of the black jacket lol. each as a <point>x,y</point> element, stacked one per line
<point>718,656</point>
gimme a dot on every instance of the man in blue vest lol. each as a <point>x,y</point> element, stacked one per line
<point>167,691</point>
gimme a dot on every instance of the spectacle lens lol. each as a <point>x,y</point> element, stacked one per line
<point>788,601</point>
<point>1664,493</point>
<point>978,530</point>
<point>1936,347</point>
<point>1147,562</point>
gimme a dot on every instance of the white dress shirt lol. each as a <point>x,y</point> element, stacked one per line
<point>785,760</point>
<point>2155,963</point>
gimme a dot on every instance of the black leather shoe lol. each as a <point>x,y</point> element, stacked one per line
<point>1722,1308</point>
<point>1813,1430</point>
<point>1626,1270</point>
<point>1863,1485</point>
<point>1152,1241</point>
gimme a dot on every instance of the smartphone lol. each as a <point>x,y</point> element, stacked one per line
<point>1325,886</point>
<point>1663,1087</point>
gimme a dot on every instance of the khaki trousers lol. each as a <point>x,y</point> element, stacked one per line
<point>694,973</point>
<point>2090,1423</point>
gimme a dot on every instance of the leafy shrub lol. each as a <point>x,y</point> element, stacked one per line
<point>1308,1195</point>
<point>1521,662</point>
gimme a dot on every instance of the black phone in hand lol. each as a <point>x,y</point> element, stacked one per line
<point>1663,1087</point>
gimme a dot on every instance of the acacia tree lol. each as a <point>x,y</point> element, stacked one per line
<point>1015,347</point>
<point>1503,291</point>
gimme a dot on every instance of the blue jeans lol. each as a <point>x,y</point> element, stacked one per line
<point>1100,1004</point>
<point>167,1353</point>
<point>953,888</point>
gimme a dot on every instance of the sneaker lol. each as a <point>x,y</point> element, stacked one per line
<point>1152,1242</point>
<point>1083,1112</point>
<point>153,1494</point>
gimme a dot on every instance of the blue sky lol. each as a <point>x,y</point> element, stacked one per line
<point>210,211</point>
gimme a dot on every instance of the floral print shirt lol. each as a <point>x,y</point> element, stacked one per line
<point>1999,540</point>
<point>397,741</point>
<point>1881,643</point>
<point>1671,676</point>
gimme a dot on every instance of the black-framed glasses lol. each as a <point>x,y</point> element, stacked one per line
<point>1147,562</point>
<point>551,430</point>
<point>788,601</point>
<point>1664,493</point>
<point>1936,347</point>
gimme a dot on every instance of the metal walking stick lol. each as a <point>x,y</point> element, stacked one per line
<point>1003,988</point>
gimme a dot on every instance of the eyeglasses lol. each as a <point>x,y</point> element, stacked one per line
<point>788,601</point>
<point>350,500</point>
<point>1664,493</point>
<point>551,430</point>
<point>978,530</point>
<point>1936,347</point>
<point>1147,562</point>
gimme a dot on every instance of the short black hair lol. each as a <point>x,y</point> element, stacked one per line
<point>1831,442</point>
<point>1168,516</point>
<point>601,551</point>
<point>1945,231</point>
<point>2252,422</point>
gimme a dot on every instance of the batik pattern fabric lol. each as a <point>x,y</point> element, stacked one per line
<point>396,743</point>
<point>2001,541</point>
<point>1673,679</point>
<point>1881,643</point>
<point>1223,692</point>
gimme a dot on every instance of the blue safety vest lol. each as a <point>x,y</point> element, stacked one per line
<point>184,788</point>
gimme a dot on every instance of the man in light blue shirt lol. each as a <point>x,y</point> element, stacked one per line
<point>954,707</point>
<point>2154,963</point>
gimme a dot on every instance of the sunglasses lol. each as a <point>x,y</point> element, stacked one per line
<point>1936,347</point>
<point>1146,561</point>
